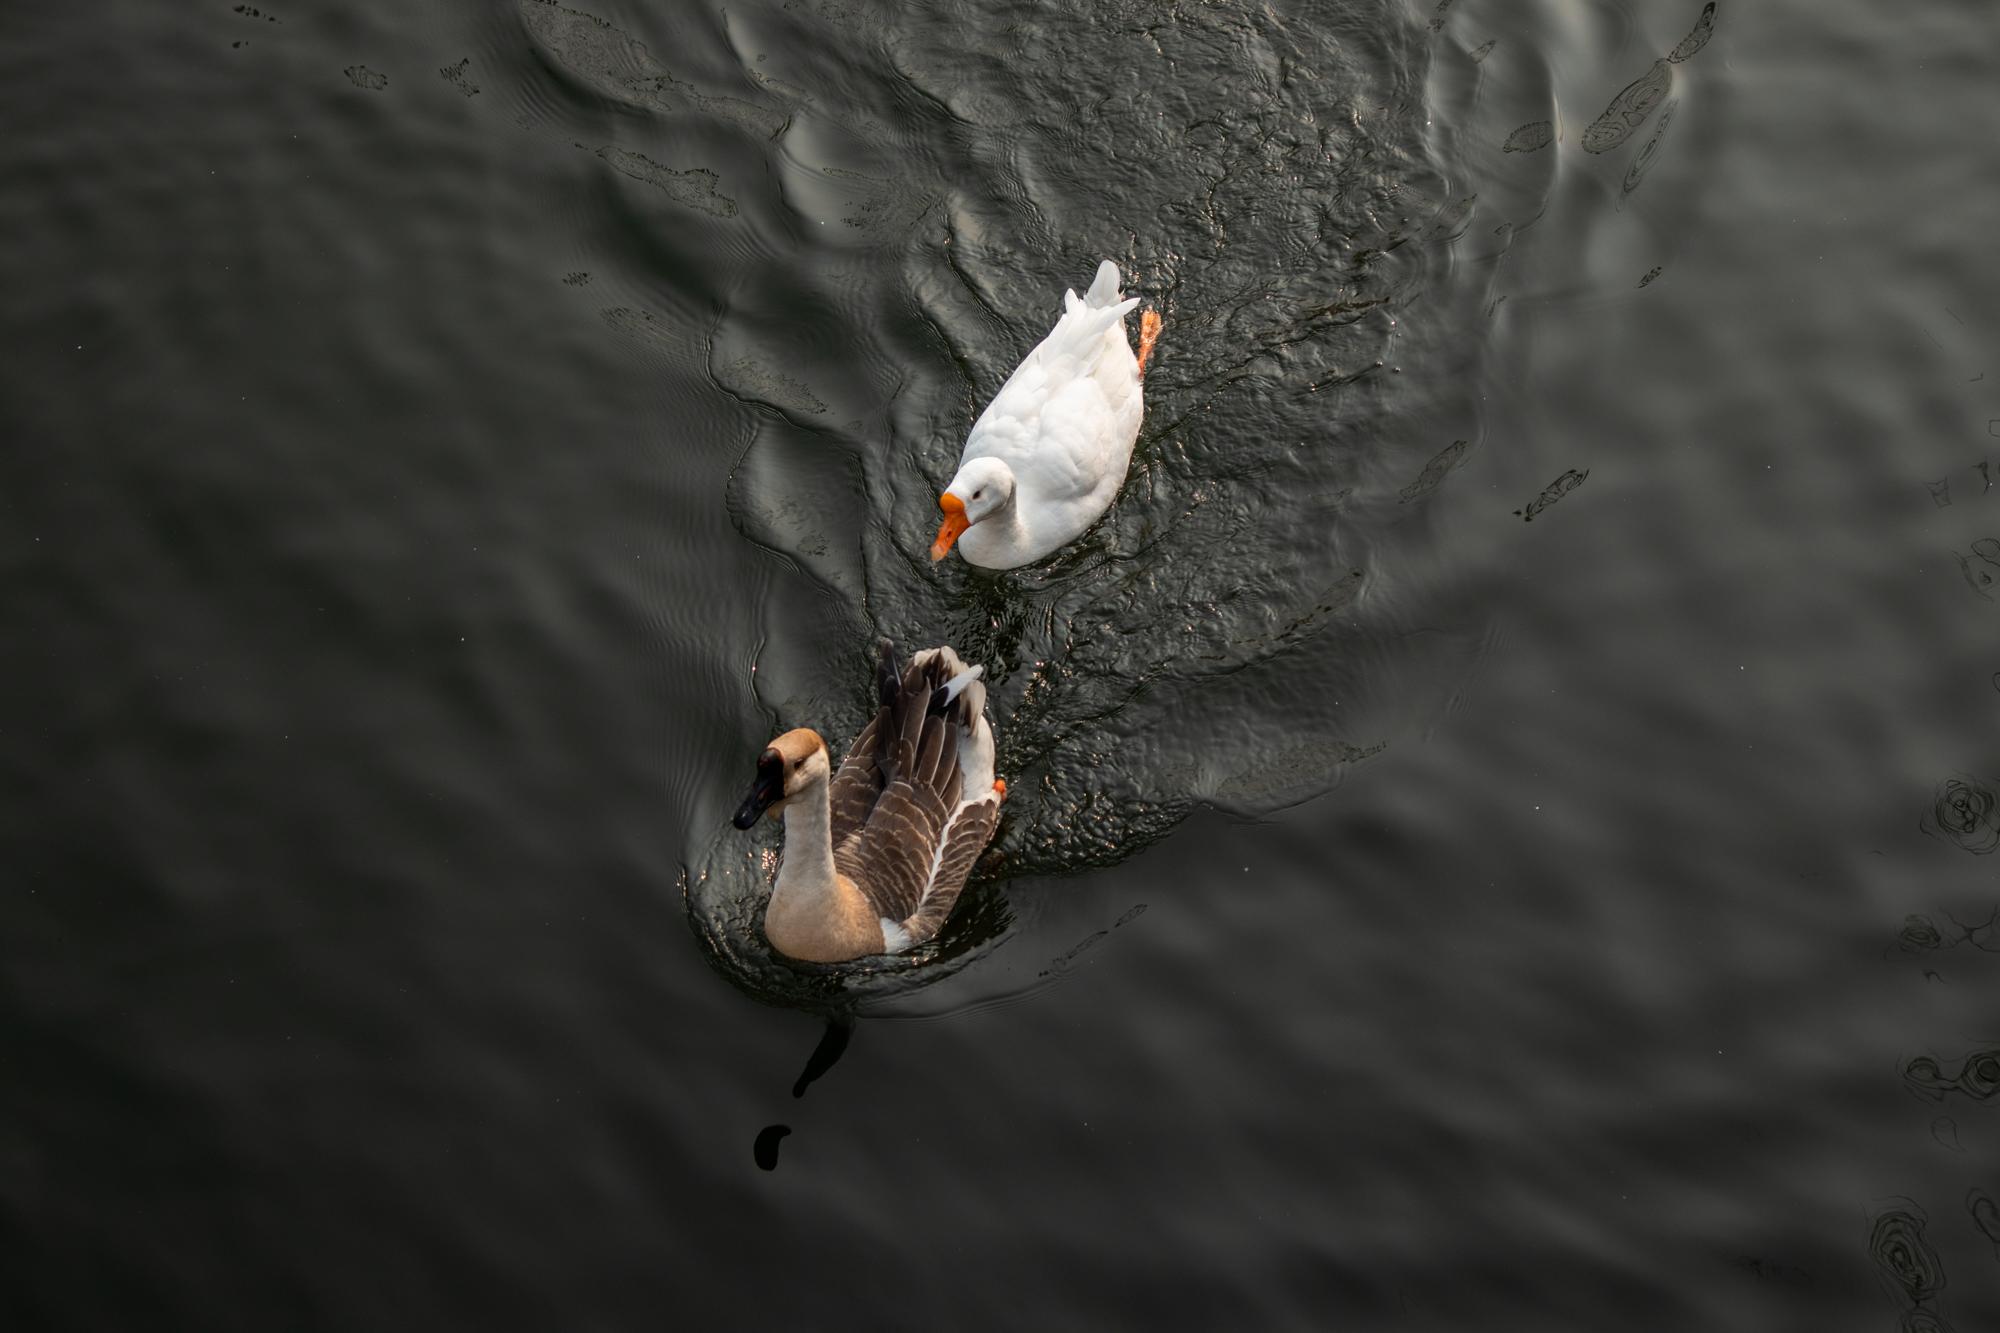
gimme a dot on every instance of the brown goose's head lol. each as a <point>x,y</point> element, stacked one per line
<point>791,764</point>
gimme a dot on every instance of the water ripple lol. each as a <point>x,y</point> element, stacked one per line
<point>1896,1242</point>
<point>1978,1076</point>
<point>1966,814</point>
<point>1220,636</point>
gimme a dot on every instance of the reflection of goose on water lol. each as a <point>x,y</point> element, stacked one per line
<point>876,853</point>
<point>1047,456</point>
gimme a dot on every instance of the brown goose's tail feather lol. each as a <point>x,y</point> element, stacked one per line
<point>888,674</point>
<point>869,763</point>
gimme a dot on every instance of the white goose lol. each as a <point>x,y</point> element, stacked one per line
<point>876,854</point>
<point>1049,453</point>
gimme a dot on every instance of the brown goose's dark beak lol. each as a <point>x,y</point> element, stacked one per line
<point>766,791</point>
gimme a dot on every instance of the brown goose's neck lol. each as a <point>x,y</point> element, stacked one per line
<point>817,914</point>
<point>807,869</point>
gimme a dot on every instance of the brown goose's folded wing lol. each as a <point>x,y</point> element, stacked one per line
<point>892,857</point>
<point>867,767</point>
<point>858,785</point>
<point>963,842</point>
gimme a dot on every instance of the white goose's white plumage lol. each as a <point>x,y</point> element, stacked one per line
<point>1048,455</point>
<point>877,852</point>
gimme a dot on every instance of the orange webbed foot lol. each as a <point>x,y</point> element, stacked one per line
<point>1149,333</point>
<point>1000,786</point>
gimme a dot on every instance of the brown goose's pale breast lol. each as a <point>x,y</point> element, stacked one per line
<point>851,930</point>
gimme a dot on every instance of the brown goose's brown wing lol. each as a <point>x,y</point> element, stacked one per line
<point>963,842</point>
<point>892,857</point>
<point>865,770</point>
<point>858,784</point>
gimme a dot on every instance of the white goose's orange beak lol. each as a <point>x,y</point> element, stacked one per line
<point>955,523</point>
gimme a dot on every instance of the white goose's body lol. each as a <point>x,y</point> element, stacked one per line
<point>877,853</point>
<point>1049,454</point>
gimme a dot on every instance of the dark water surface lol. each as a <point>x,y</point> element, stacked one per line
<point>1502,809</point>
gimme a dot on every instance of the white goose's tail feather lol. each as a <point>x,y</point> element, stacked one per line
<point>1085,324</point>
<point>1104,287</point>
<point>1078,339</point>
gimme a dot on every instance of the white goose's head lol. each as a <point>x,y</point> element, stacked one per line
<point>982,488</point>
<point>791,765</point>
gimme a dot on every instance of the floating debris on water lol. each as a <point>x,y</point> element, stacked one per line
<point>748,380</point>
<point>1704,28</point>
<point>1642,161</point>
<point>1435,471</point>
<point>1630,109</point>
<point>694,187</point>
<point>456,76</point>
<point>1531,137</point>
<point>1553,492</point>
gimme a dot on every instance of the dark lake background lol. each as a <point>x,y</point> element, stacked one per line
<point>1502,825</point>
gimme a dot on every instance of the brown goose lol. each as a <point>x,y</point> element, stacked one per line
<point>875,854</point>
